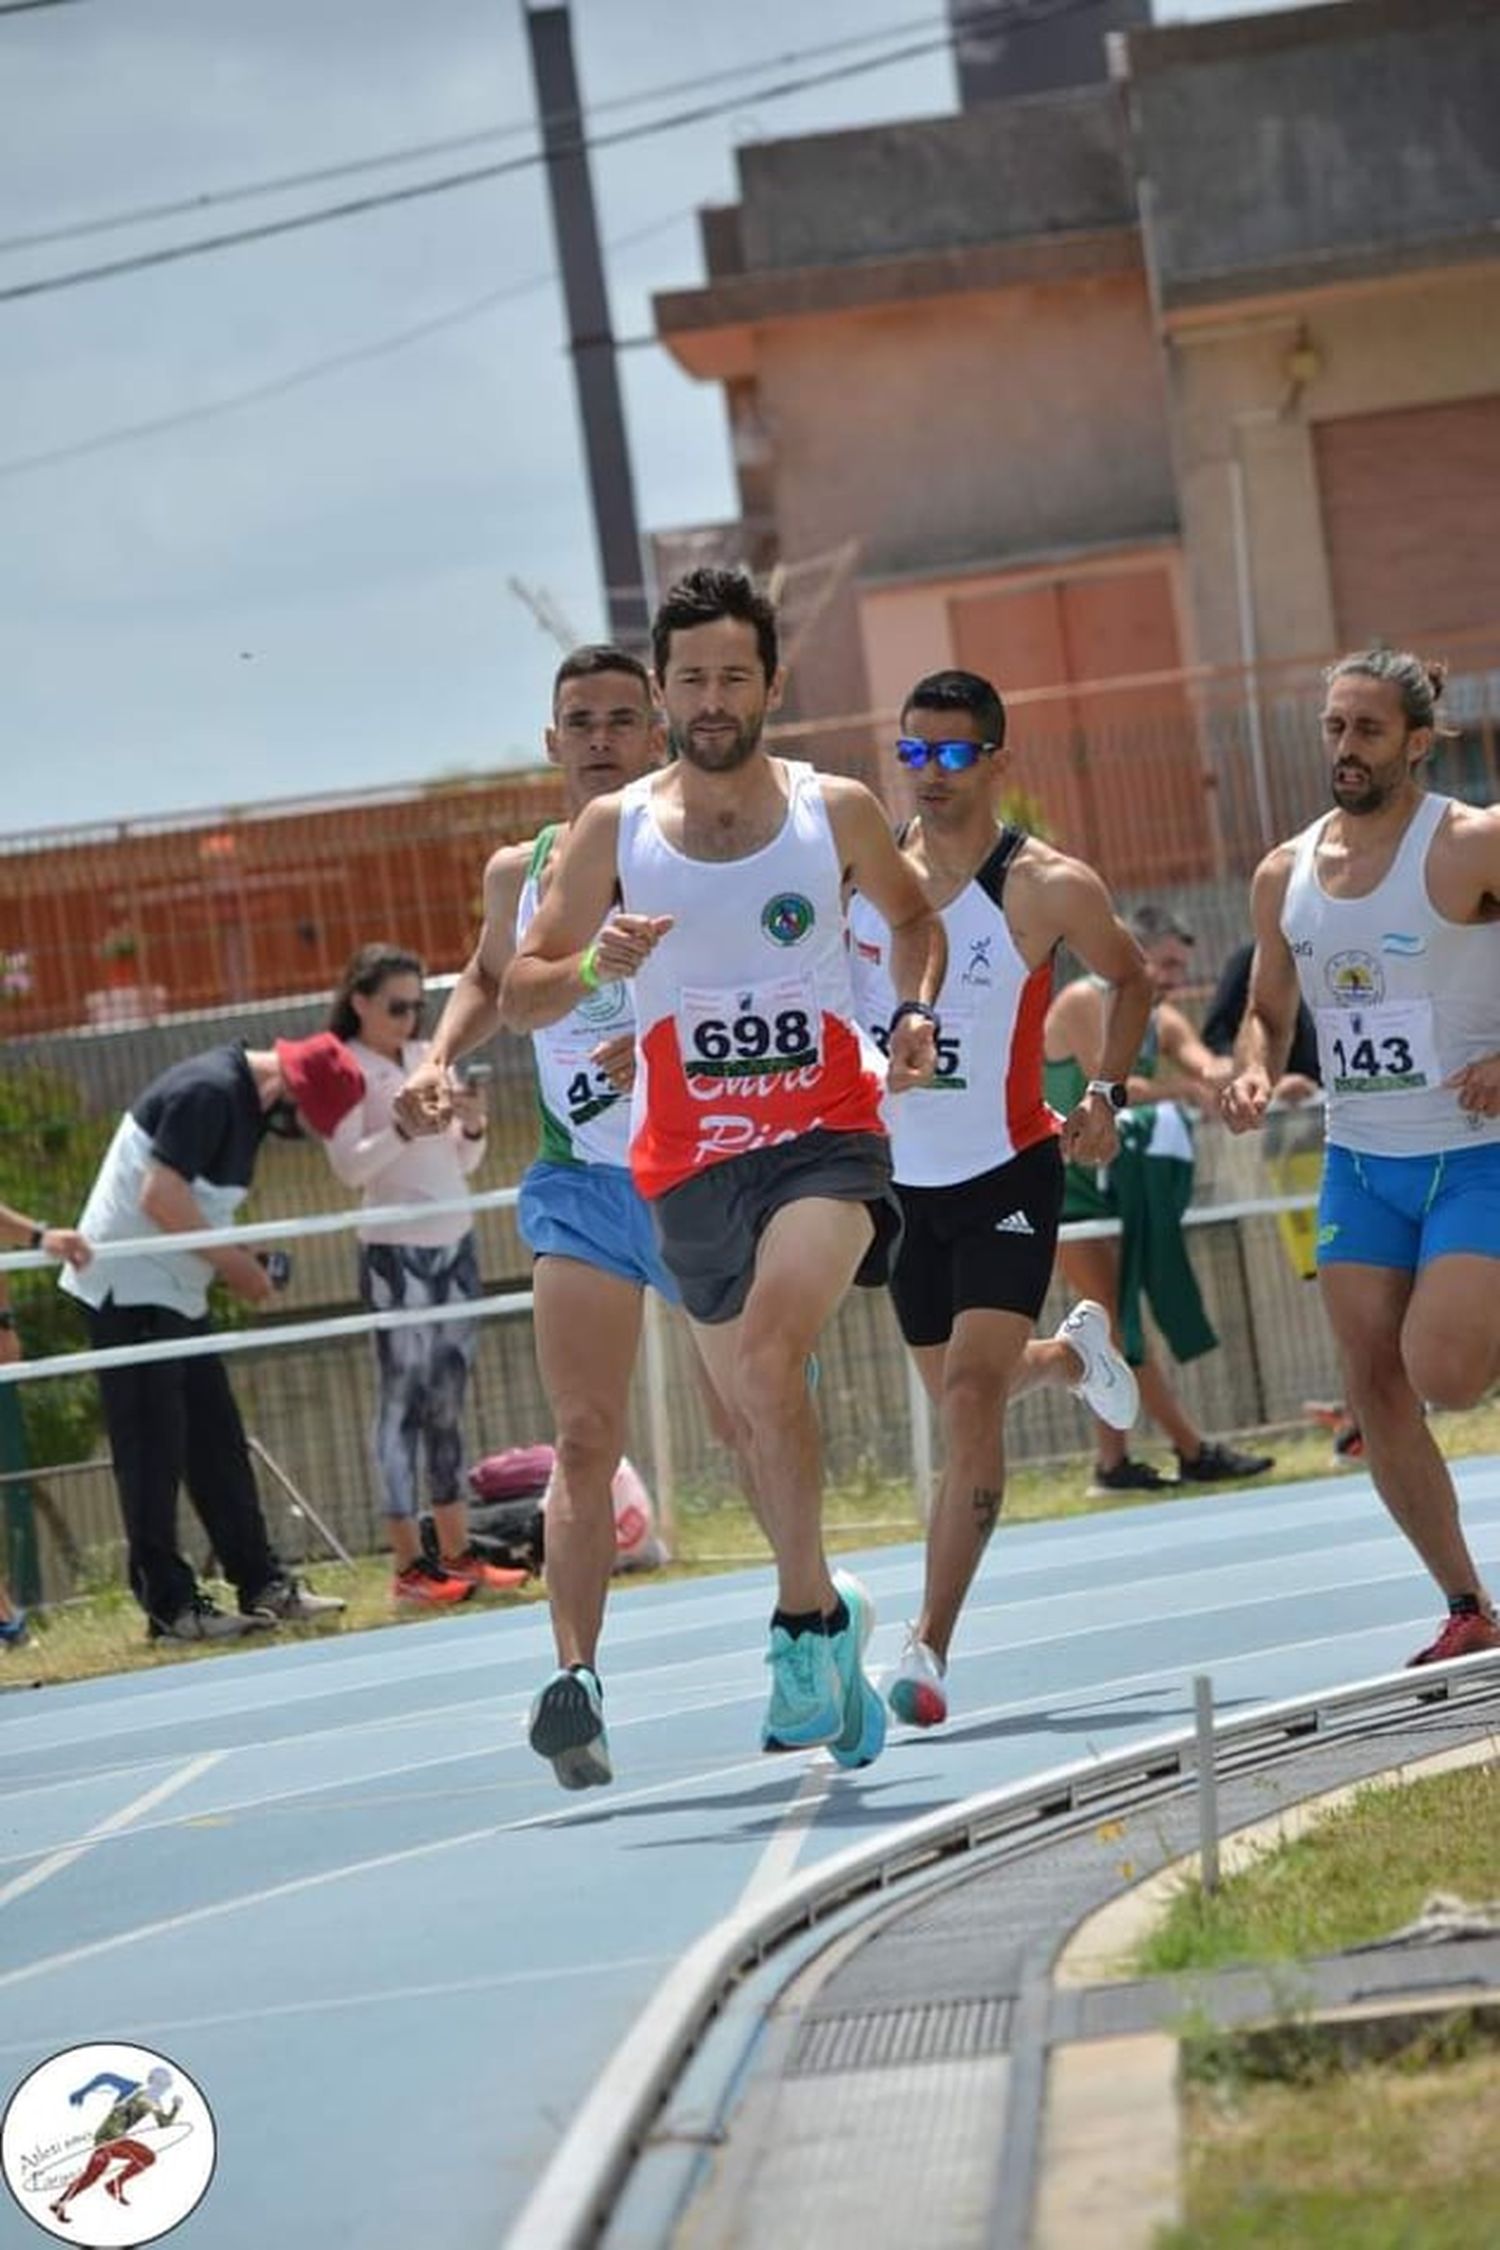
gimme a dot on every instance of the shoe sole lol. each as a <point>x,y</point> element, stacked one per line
<point>861,1746</point>
<point>917,1703</point>
<point>567,1730</point>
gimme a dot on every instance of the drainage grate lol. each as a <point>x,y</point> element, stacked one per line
<point>941,2031</point>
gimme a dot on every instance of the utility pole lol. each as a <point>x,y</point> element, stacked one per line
<point>590,340</point>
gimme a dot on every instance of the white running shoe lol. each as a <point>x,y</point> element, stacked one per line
<point>916,1690</point>
<point>1107,1385</point>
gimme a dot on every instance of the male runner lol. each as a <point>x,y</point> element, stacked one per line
<point>756,1126</point>
<point>976,1154</point>
<point>1386,913</point>
<point>579,1213</point>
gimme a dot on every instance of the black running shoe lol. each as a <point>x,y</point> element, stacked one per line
<point>1221,1464</point>
<point>1127,1476</point>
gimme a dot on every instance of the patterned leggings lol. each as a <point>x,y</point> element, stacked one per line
<point>423,1371</point>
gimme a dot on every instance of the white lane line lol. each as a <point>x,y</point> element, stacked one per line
<point>504,1980</point>
<point>55,1862</point>
<point>780,1855</point>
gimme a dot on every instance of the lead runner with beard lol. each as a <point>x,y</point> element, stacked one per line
<point>1386,914</point>
<point>756,1130</point>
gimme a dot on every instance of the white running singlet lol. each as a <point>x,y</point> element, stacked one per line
<point>1401,998</point>
<point>985,1105</point>
<point>584,1120</point>
<point>747,1036</point>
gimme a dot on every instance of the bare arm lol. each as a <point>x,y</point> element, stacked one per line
<point>1265,1036</point>
<point>59,1242</point>
<point>875,866</point>
<point>560,960</point>
<point>1199,1072</point>
<point>1478,1083</point>
<point>1082,916</point>
<point>472,1014</point>
<point>169,1203</point>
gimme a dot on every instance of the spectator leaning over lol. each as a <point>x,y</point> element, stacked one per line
<point>1147,1188</point>
<point>182,1160</point>
<point>422,1372</point>
<point>66,1243</point>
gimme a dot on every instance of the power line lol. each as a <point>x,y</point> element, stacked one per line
<point>296,378</point>
<point>416,151</point>
<point>1013,16</point>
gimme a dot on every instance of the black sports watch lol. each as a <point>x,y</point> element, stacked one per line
<point>1114,1090</point>
<point>917,1008</point>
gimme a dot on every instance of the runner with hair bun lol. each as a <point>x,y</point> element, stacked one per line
<point>1386,914</point>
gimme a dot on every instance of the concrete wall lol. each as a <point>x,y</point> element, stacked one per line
<point>1288,140</point>
<point>1048,165</point>
<point>973,429</point>
<point>1411,341</point>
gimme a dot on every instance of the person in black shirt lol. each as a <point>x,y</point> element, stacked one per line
<point>181,1160</point>
<point>1226,1010</point>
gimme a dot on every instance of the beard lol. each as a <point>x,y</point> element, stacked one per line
<point>719,753</point>
<point>1365,790</point>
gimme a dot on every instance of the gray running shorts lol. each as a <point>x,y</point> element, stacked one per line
<point>710,1226</point>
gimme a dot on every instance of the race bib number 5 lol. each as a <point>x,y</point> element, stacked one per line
<point>739,1032</point>
<point>1387,1049</point>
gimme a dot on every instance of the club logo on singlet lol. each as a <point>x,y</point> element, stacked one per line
<point>1355,979</point>
<point>787,918</point>
<point>605,1006</point>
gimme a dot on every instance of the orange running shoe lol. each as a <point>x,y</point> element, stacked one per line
<point>483,1577</point>
<point>424,1583</point>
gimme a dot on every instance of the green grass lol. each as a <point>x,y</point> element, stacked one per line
<point>1400,2155</point>
<point>1358,1874</point>
<point>102,1632</point>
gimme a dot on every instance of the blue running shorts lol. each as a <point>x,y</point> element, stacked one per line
<point>596,1214</point>
<point>1404,1211</point>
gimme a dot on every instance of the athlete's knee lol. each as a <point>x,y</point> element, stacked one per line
<point>971,1400</point>
<point>590,1439</point>
<point>1449,1371</point>
<point>770,1378</point>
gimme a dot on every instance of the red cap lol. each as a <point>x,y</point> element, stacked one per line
<point>322,1078</point>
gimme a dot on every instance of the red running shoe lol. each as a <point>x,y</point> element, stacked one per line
<point>481,1576</point>
<point>1471,1634</point>
<point>423,1583</point>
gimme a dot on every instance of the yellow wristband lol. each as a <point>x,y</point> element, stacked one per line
<point>588,973</point>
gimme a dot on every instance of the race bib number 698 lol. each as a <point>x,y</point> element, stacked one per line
<point>739,1032</point>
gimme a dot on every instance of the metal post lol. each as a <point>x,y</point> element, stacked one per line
<point>1208,1785</point>
<point>590,340</point>
<point>1239,526</point>
<point>659,1420</point>
<point>919,1407</point>
<point>300,1504</point>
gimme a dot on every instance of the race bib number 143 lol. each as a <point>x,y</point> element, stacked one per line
<point>1387,1049</point>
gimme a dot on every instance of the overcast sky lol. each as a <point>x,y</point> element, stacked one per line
<point>309,592</point>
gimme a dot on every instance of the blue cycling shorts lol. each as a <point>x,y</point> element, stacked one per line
<point>1404,1211</point>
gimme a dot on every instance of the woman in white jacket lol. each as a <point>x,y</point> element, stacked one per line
<point>423,1371</point>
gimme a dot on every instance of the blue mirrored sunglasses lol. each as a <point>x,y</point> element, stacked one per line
<point>953,757</point>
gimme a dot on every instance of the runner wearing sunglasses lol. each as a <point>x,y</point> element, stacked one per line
<point>977,1154</point>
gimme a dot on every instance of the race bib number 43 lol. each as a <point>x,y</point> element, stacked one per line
<point>756,1032</point>
<point>1386,1049</point>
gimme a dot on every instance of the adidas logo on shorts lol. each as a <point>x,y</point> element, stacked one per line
<point>1017,1223</point>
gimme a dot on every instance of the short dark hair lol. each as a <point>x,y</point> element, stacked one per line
<point>1149,923</point>
<point>701,597</point>
<point>594,657</point>
<point>961,691</point>
<point>366,973</point>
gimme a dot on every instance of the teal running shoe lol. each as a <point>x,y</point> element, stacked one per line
<point>862,1737</point>
<point>807,1698</point>
<point>567,1726</point>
